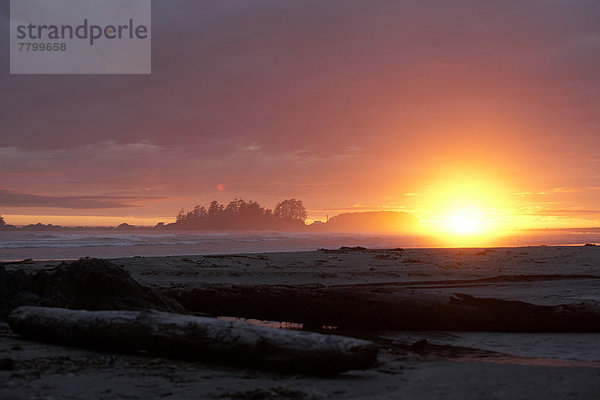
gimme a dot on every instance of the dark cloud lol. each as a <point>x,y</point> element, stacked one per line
<point>287,73</point>
<point>13,199</point>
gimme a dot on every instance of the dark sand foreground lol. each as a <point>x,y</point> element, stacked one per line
<point>422,364</point>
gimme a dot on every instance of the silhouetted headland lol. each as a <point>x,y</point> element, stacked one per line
<point>240,215</point>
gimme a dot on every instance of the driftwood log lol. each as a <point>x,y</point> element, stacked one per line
<point>192,337</point>
<point>367,307</point>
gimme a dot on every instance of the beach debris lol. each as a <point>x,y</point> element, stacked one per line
<point>25,261</point>
<point>224,256</point>
<point>274,393</point>
<point>388,306</point>
<point>386,257</point>
<point>88,283</point>
<point>193,337</point>
<point>347,249</point>
<point>4,329</point>
<point>7,364</point>
<point>419,346</point>
<point>484,252</point>
<point>191,261</point>
<point>355,248</point>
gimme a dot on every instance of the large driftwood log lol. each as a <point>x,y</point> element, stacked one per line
<point>192,337</point>
<point>386,307</point>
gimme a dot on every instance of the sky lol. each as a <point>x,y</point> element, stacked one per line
<point>430,107</point>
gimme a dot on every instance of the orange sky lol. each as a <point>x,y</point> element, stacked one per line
<point>487,109</point>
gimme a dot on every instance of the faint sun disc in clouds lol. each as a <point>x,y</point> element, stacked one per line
<point>221,187</point>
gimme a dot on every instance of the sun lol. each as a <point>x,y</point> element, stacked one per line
<point>470,226</point>
<point>464,224</point>
<point>466,212</point>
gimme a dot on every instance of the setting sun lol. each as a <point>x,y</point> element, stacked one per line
<point>464,224</point>
<point>464,209</point>
<point>469,227</point>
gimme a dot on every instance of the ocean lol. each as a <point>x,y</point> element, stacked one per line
<point>18,245</point>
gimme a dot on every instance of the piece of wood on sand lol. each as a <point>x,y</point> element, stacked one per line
<point>387,307</point>
<point>192,337</point>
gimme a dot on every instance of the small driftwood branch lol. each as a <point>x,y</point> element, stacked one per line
<point>192,337</point>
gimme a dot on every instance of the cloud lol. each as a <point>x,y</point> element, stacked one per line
<point>282,74</point>
<point>575,189</point>
<point>14,199</point>
<point>565,213</point>
<point>95,163</point>
<point>561,190</point>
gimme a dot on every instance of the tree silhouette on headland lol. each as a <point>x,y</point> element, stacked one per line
<point>243,215</point>
<point>4,226</point>
<point>291,210</point>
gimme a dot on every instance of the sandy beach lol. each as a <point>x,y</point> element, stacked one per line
<point>411,363</point>
<point>526,269</point>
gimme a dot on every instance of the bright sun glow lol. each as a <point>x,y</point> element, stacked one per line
<point>464,224</point>
<point>466,212</point>
<point>470,226</point>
